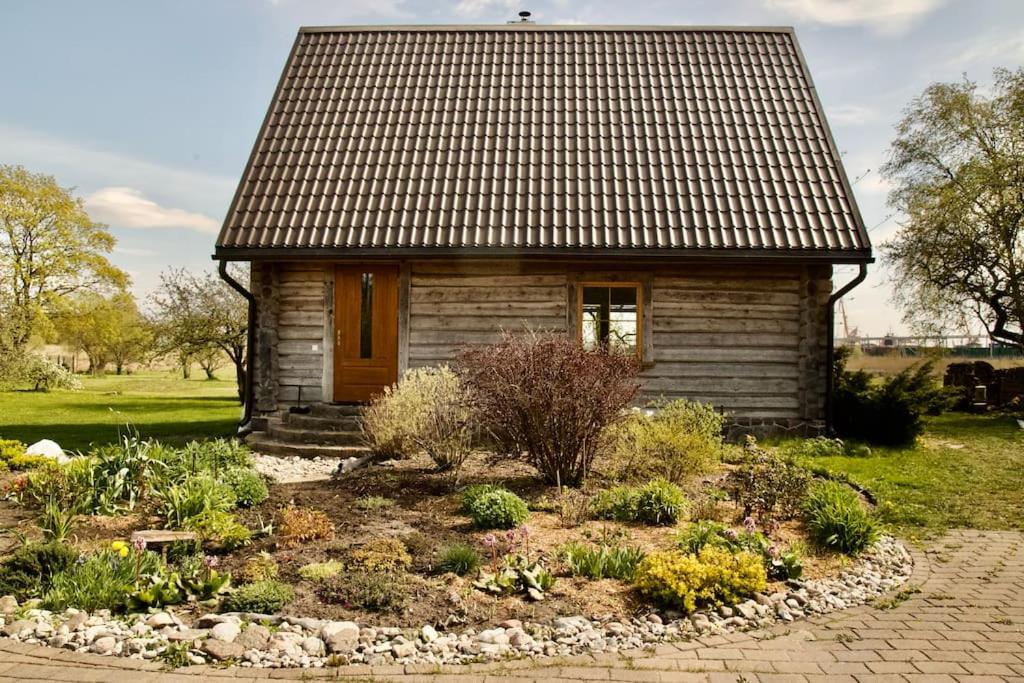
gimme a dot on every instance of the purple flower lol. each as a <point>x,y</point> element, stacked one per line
<point>750,525</point>
<point>510,537</point>
<point>139,544</point>
<point>773,551</point>
<point>524,531</point>
<point>210,561</point>
<point>731,535</point>
<point>490,540</point>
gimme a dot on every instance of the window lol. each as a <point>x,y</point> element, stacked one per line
<point>610,316</point>
<point>366,317</point>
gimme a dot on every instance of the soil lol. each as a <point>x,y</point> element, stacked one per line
<point>426,515</point>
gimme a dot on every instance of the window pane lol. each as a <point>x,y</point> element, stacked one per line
<point>366,317</point>
<point>610,318</point>
<point>623,297</point>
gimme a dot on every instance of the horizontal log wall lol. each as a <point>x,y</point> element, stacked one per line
<point>750,340</point>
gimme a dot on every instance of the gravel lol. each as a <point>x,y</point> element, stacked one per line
<point>313,643</point>
<point>293,469</point>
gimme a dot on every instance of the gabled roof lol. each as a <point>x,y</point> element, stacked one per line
<point>526,139</point>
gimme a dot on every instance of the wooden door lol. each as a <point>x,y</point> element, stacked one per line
<point>365,331</point>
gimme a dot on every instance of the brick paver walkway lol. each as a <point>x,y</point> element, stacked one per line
<point>965,624</point>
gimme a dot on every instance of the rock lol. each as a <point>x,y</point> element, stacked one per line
<point>254,637</point>
<point>747,610</point>
<point>400,650</point>
<point>511,623</point>
<point>18,628</point>
<point>47,449</point>
<point>341,636</point>
<point>182,635</point>
<point>313,646</point>
<point>221,649</point>
<point>8,605</point>
<point>726,611</point>
<point>494,636</point>
<point>96,631</point>
<point>428,633</point>
<point>654,618</point>
<point>226,631</point>
<point>160,619</point>
<point>104,645</point>
<point>77,620</point>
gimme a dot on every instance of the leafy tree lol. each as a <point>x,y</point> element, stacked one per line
<point>197,313</point>
<point>958,167</point>
<point>49,248</point>
<point>106,329</point>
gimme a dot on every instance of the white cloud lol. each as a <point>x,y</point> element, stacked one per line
<point>883,16</point>
<point>473,8</point>
<point>133,251</point>
<point>986,50</point>
<point>126,207</point>
<point>851,115</point>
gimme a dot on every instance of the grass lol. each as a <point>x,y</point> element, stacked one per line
<point>966,471</point>
<point>159,404</point>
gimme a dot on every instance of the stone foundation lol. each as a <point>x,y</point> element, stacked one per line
<point>760,428</point>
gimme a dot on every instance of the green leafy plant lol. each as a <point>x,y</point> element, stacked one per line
<point>13,456</point>
<point>247,484</point>
<point>185,504</point>
<point>175,655</point>
<point>517,574</point>
<point>57,521</point>
<point>837,519</point>
<point>601,561</point>
<point>104,580</point>
<point>714,576</point>
<point>471,493</point>
<point>372,591</point>
<point>779,563</point>
<point>675,440</point>
<point>498,510</point>
<point>29,571</point>
<point>222,527</point>
<point>262,597</point>
<point>321,571</point>
<point>458,558</point>
<point>817,447</point>
<point>658,502</point>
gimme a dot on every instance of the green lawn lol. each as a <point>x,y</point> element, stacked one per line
<point>159,405</point>
<point>965,471</point>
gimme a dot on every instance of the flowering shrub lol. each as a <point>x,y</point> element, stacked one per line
<point>767,486</point>
<point>714,576</point>
<point>548,397</point>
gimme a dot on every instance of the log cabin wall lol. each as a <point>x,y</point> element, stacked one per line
<point>749,339</point>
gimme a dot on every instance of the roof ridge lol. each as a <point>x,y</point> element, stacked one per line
<point>517,26</point>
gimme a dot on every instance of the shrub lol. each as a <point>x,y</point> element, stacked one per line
<point>29,571</point>
<point>498,510</point>
<point>12,456</point>
<point>259,568</point>
<point>817,447</point>
<point>679,440</point>
<point>392,419</point>
<point>458,558</point>
<point>298,525</point>
<point>427,410</point>
<point>713,576</point>
<point>373,591</point>
<point>262,597</point>
<point>471,493</point>
<point>778,563</point>
<point>548,397</point>
<point>887,412</point>
<point>102,581</point>
<point>836,518</point>
<point>658,502</point>
<point>321,571</point>
<point>247,485</point>
<point>601,561</point>
<point>220,526</point>
<point>384,554</point>
<point>767,486</point>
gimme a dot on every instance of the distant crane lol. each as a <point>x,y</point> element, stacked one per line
<point>848,333</point>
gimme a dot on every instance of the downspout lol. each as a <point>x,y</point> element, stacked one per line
<point>830,353</point>
<point>245,424</point>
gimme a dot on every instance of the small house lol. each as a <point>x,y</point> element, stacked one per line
<point>674,192</point>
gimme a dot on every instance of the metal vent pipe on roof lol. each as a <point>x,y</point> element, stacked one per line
<point>524,18</point>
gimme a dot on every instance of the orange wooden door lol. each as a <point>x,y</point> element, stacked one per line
<point>365,331</point>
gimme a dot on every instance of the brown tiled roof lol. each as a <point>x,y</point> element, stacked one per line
<point>529,139</point>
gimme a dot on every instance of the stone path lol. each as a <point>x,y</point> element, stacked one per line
<point>960,619</point>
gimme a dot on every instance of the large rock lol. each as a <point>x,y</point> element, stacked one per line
<point>254,637</point>
<point>47,449</point>
<point>159,620</point>
<point>8,605</point>
<point>220,649</point>
<point>19,627</point>
<point>104,645</point>
<point>340,636</point>
<point>226,631</point>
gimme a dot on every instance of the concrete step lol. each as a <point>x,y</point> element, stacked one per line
<point>289,433</point>
<point>261,442</point>
<point>344,423</point>
<point>336,409</point>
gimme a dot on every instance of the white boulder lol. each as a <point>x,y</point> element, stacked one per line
<point>47,449</point>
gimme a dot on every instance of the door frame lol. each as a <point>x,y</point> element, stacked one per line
<point>329,289</point>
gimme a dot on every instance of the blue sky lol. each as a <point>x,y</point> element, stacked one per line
<point>149,109</point>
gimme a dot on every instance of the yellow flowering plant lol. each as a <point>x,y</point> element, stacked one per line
<point>714,576</point>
